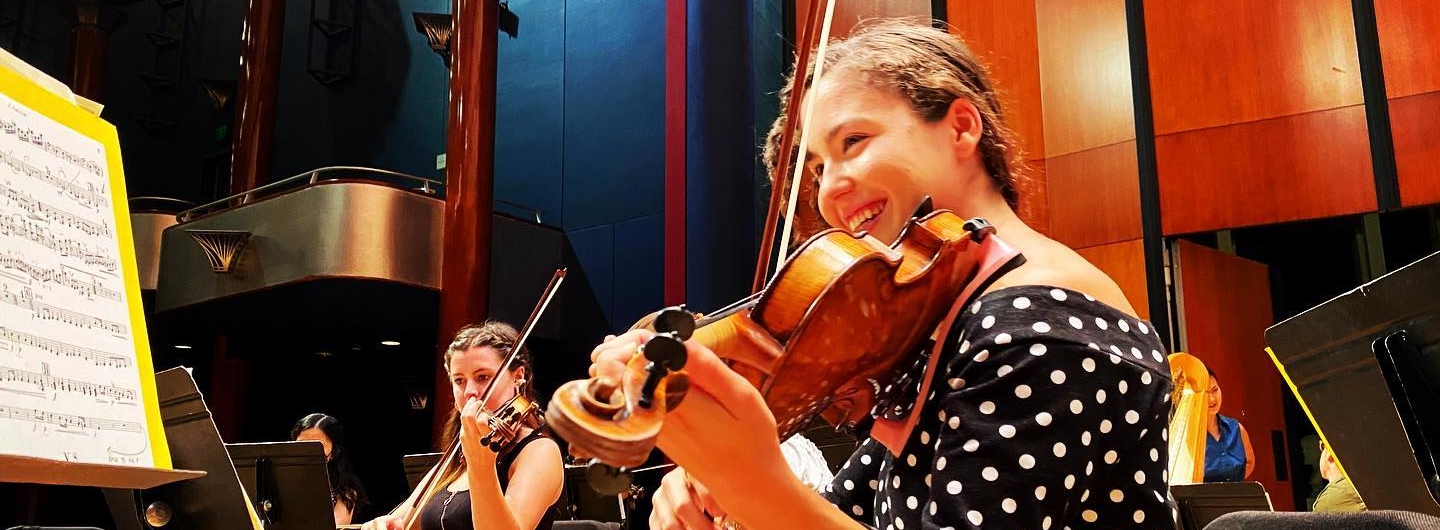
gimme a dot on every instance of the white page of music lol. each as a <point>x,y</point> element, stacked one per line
<point>69,382</point>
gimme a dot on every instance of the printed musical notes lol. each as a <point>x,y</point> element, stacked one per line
<point>62,276</point>
<point>68,421</point>
<point>63,349</point>
<point>44,382</point>
<point>38,139</point>
<point>25,299</point>
<point>70,375</point>
<point>42,211</point>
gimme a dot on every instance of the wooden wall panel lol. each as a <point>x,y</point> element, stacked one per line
<point>1002,33</point>
<point>849,13</point>
<point>1125,263</point>
<point>1094,196</point>
<point>1226,307</point>
<point>1085,73</point>
<point>1220,62</point>
<point>1409,45</point>
<point>1410,54</point>
<point>1417,147</point>
<point>1298,167</point>
<point>1034,187</point>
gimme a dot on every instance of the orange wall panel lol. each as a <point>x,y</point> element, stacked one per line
<point>1410,54</point>
<point>1226,307</point>
<point>1284,169</point>
<point>1417,147</point>
<point>1002,35</point>
<point>1085,74</point>
<point>1409,45</point>
<point>1124,262</point>
<point>1220,62</point>
<point>848,13</point>
<point>1094,196</point>
<point>1034,196</point>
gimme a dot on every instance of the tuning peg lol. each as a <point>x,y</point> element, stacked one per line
<point>676,320</point>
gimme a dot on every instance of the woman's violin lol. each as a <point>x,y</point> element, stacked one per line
<point>829,333</point>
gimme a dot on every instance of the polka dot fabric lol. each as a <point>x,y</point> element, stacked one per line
<point>1049,411</point>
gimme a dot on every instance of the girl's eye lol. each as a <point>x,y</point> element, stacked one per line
<point>853,139</point>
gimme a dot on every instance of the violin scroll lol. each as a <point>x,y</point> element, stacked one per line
<point>510,420</point>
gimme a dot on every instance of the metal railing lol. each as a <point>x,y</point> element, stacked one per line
<point>137,203</point>
<point>314,176</point>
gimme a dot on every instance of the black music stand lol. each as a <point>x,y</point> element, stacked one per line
<point>1367,364</point>
<point>416,466</point>
<point>212,502</point>
<point>288,483</point>
<point>1201,503</point>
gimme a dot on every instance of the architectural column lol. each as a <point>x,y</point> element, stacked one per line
<point>90,45</point>
<point>256,91</point>
<point>469,180</point>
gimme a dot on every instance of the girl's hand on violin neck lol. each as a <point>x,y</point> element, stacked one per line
<point>474,425</point>
<point>723,433</point>
<point>681,504</point>
<point>609,358</point>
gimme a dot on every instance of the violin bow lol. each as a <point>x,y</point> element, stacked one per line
<point>783,166</point>
<point>453,451</point>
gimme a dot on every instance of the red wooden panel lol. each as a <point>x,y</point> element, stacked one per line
<point>1002,35</point>
<point>1219,62</point>
<point>1226,307</point>
<point>1094,196</point>
<point>1085,73</point>
<point>1409,48</point>
<point>1417,147</point>
<point>1124,262</point>
<point>1284,169</point>
<point>1034,196</point>
<point>848,13</point>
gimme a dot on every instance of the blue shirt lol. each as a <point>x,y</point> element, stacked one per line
<point>1225,457</point>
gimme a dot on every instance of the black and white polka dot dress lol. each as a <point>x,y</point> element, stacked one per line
<point>1049,410</point>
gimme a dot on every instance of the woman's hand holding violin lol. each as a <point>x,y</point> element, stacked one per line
<point>475,425</point>
<point>723,435</point>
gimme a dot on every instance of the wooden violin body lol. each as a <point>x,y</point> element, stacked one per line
<point>830,331</point>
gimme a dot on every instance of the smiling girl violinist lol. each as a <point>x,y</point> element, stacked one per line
<point>1049,398</point>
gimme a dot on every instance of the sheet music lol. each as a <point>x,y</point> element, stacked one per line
<point>69,384</point>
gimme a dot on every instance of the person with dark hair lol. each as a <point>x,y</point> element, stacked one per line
<point>1048,400</point>
<point>346,491</point>
<point>516,488</point>
<point>1228,456</point>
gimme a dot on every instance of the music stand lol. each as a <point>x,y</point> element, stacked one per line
<point>1366,363</point>
<point>288,483</point>
<point>416,466</point>
<point>212,502</point>
<point>1201,503</point>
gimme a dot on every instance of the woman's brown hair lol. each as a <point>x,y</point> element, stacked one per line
<point>930,69</point>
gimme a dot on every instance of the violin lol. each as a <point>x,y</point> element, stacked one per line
<point>829,334</point>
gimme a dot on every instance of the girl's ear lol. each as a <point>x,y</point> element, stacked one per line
<point>964,121</point>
